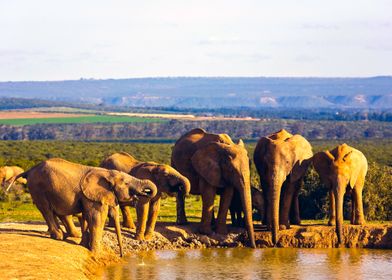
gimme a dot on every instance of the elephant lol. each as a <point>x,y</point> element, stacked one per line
<point>213,163</point>
<point>281,160</point>
<point>62,188</point>
<point>8,172</point>
<point>236,206</point>
<point>166,178</point>
<point>342,170</point>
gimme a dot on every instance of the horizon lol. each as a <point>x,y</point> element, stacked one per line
<point>201,77</point>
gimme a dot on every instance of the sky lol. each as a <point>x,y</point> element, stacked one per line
<point>61,40</point>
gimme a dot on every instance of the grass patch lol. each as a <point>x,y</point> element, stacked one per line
<point>81,119</point>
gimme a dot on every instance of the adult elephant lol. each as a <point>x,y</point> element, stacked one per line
<point>213,162</point>
<point>166,178</point>
<point>342,170</point>
<point>281,159</point>
<point>8,172</point>
<point>62,188</point>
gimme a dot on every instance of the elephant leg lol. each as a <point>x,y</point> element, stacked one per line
<point>207,194</point>
<point>353,206</point>
<point>296,219</point>
<point>285,208</point>
<point>70,226</point>
<point>85,234</point>
<point>142,215</point>
<point>357,200</point>
<point>96,224</point>
<point>127,217</point>
<point>267,219</point>
<point>152,218</point>
<point>233,217</point>
<point>181,216</point>
<point>224,204</point>
<point>114,213</point>
<point>54,230</point>
<point>332,210</point>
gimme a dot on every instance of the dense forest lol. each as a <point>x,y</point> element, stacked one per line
<point>175,128</point>
<point>313,198</point>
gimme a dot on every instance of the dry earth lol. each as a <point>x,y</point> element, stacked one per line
<point>27,252</point>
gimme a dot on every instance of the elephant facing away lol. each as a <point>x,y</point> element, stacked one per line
<point>281,160</point>
<point>166,178</point>
<point>213,163</point>
<point>342,170</point>
<point>236,210</point>
<point>8,172</point>
<point>62,188</point>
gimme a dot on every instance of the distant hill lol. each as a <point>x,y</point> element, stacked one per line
<point>201,92</point>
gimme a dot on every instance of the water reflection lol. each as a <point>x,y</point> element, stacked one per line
<point>248,264</point>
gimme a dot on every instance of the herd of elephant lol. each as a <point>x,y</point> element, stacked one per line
<point>203,164</point>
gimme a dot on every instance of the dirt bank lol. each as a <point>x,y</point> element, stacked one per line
<point>26,251</point>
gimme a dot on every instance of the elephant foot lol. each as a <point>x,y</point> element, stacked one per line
<point>296,222</point>
<point>205,230</point>
<point>182,221</point>
<point>331,223</point>
<point>57,235</point>
<point>359,222</point>
<point>75,234</point>
<point>283,227</point>
<point>149,235</point>
<point>130,225</point>
<point>221,229</point>
<point>140,237</point>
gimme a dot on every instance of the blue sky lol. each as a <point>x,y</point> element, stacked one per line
<point>56,40</point>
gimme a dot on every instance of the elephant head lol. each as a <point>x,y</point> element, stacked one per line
<point>169,180</point>
<point>341,168</point>
<point>220,165</point>
<point>111,187</point>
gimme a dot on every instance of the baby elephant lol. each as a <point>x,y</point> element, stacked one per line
<point>62,188</point>
<point>8,172</point>
<point>236,212</point>
<point>342,170</point>
<point>166,178</point>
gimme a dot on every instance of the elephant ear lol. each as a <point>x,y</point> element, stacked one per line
<point>206,163</point>
<point>97,185</point>
<point>322,162</point>
<point>354,162</point>
<point>9,173</point>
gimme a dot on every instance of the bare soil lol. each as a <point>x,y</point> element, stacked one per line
<point>27,252</point>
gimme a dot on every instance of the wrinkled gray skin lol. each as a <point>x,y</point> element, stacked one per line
<point>62,188</point>
<point>166,178</point>
<point>236,210</point>
<point>281,160</point>
<point>343,170</point>
<point>214,163</point>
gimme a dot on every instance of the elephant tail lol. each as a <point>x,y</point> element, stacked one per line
<point>13,179</point>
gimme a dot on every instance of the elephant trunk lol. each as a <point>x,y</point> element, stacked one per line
<point>247,208</point>
<point>274,204</point>
<point>144,188</point>
<point>185,185</point>
<point>339,196</point>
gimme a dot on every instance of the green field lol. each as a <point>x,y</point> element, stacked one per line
<point>81,119</point>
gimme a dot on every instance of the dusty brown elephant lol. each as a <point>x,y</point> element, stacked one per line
<point>8,172</point>
<point>213,162</point>
<point>62,188</point>
<point>236,210</point>
<point>166,178</point>
<point>342,170</point>
<point>281,160</point>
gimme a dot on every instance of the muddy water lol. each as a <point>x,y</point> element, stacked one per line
<point>245,264</point>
